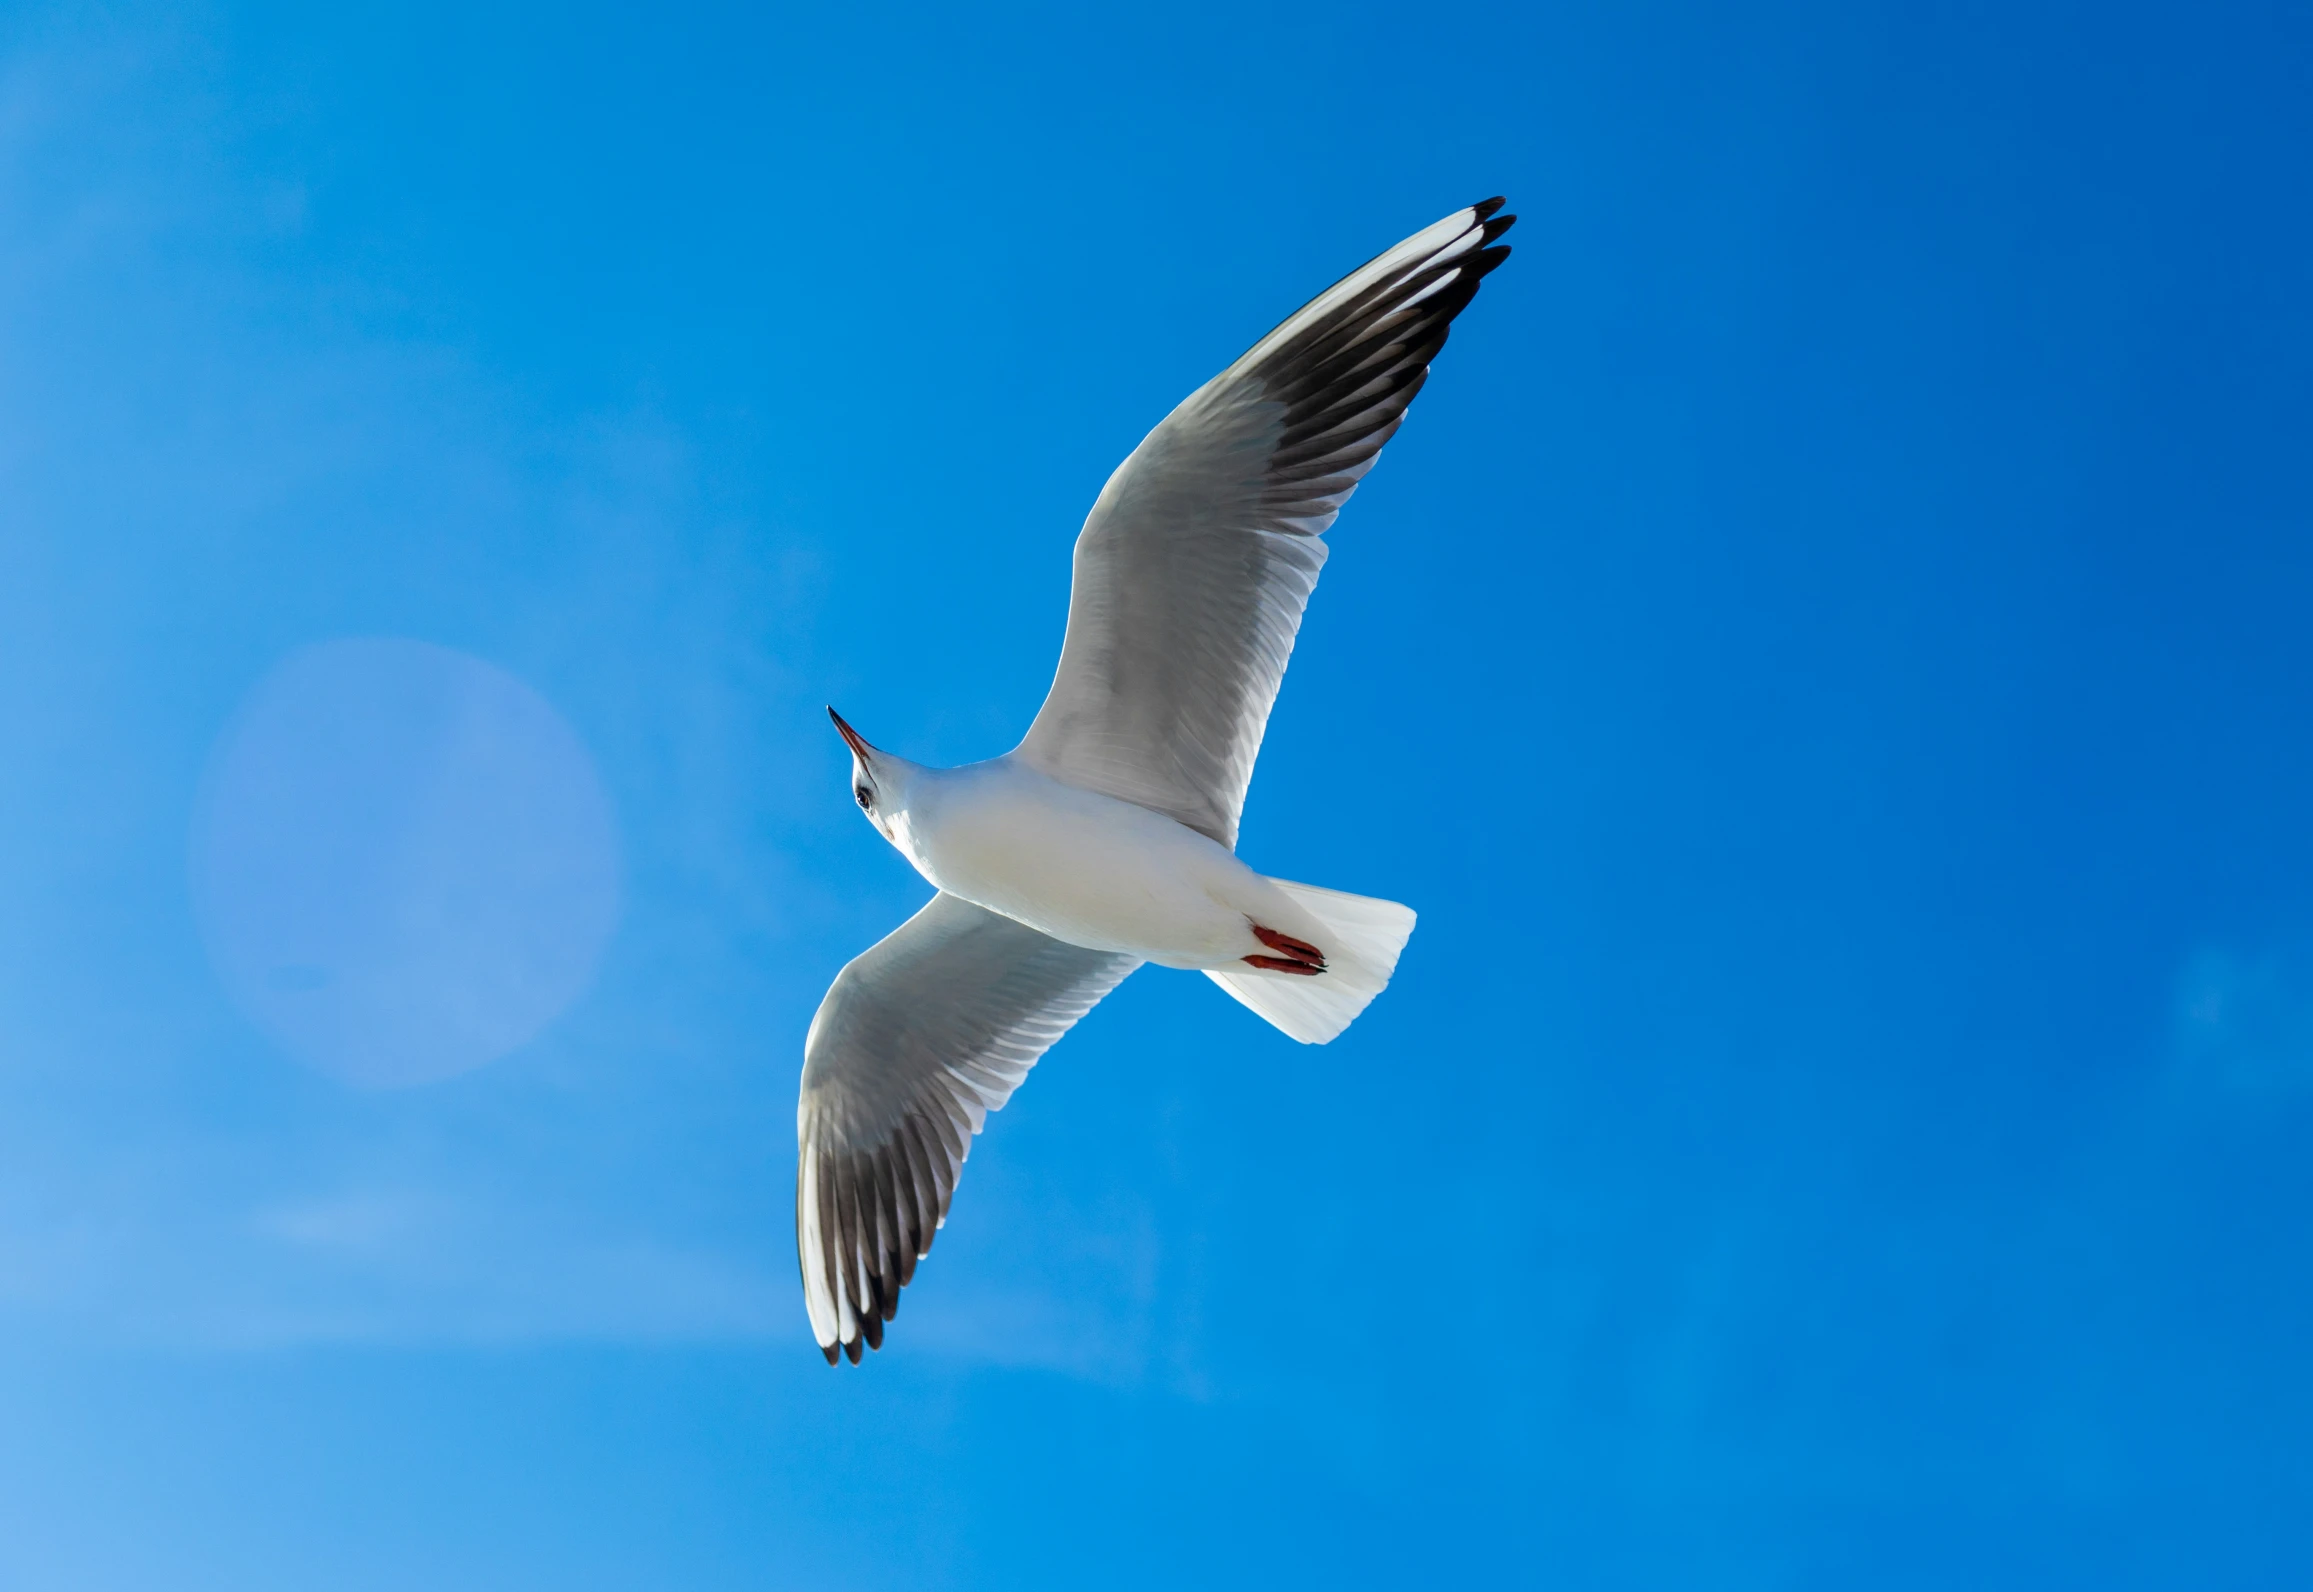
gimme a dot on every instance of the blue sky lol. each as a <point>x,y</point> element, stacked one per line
<point>1827,658</point>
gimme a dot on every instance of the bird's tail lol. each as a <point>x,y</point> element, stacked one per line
<point>1361,940</point>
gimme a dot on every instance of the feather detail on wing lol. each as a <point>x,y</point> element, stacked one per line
<point>1195,564</point>
<point>918,1039</point>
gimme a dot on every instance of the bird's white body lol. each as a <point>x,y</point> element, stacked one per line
<point>1086,868</point>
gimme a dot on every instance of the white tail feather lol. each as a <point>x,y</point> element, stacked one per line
<point>1361,942</point>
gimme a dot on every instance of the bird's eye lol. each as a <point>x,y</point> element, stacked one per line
<point>866,799</point>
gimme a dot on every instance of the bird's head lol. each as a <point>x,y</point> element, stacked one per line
<point>879,783</point>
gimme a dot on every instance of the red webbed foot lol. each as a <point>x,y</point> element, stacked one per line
<point>1295,956</point>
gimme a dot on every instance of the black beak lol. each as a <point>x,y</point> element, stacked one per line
<point>860,748</point>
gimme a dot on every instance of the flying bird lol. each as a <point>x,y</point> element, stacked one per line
<point>1107,838</point>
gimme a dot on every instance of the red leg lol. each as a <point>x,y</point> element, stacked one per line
<point>1278,964</point>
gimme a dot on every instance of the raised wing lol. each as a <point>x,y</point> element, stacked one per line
<point>919,1038</point>
<point>1200,553</point>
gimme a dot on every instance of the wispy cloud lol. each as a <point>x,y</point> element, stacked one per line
<point>2244,1021</point>
<point>1048,1283</point>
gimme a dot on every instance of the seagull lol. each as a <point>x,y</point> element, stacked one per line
<point>1107,838</point>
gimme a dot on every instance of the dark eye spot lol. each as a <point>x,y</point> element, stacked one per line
<point>866,799</point>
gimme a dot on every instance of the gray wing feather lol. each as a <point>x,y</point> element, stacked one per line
<point>918,1039</point>
<point>1194,566</point>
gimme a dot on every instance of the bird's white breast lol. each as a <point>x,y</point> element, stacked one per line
<point>1083,867</point>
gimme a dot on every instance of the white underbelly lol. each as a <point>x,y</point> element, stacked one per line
<point>1102,874</point>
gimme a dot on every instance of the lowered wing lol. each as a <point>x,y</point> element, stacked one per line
<point>918,1039</point>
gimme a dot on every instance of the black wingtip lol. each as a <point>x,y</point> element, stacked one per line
<point>831,1351</point>
<point>851,1351</point>
<point>1486,207</point>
